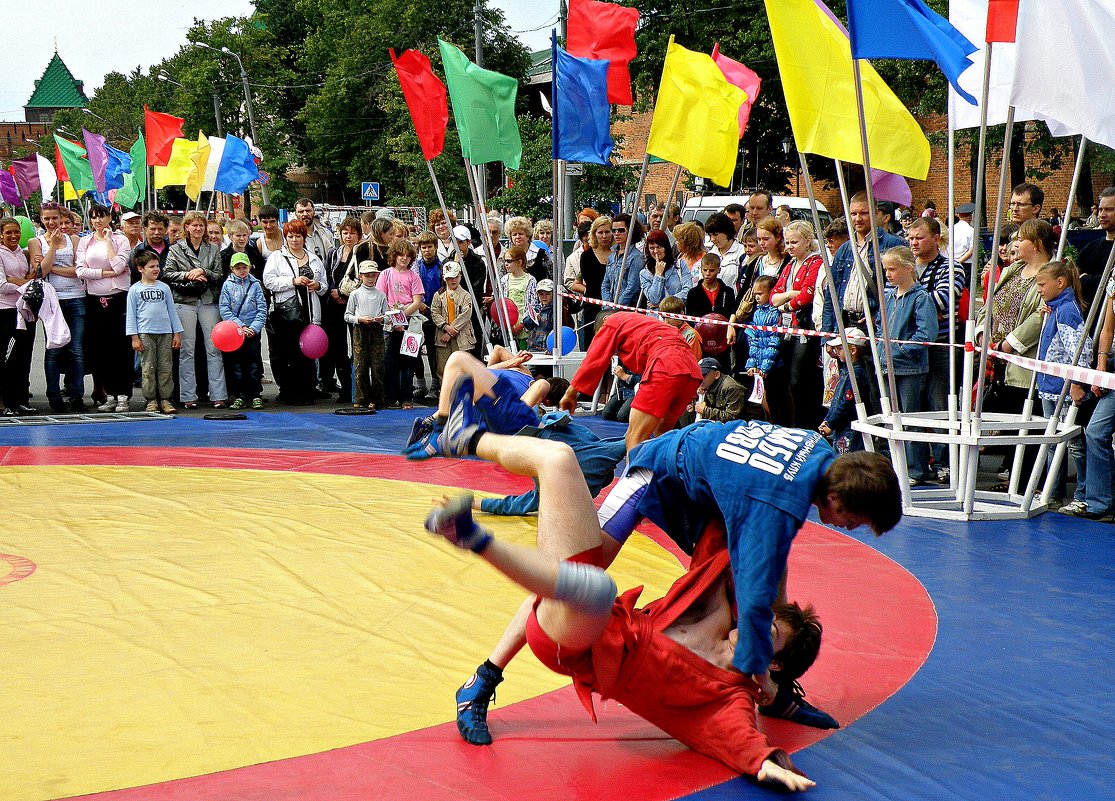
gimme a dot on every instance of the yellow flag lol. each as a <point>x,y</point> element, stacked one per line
<point>200,159</point>
<point>815,62</point>
<point>178,168</point>
<point>696,116</point>
<point>68,192</point>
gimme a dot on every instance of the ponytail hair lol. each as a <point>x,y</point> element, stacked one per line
<point>1067,270</point>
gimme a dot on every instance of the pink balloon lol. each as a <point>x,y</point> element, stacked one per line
<point>227,336</point>
<point>313,341</point>
<point>509,305</point>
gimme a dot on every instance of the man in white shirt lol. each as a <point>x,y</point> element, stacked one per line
<point>963,235</point>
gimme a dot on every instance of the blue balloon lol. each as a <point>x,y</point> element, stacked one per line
<point>538,243</point>
<point>568,340</point>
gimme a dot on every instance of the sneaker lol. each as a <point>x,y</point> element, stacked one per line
<point>1003,475</point>
<point>236,405</point>
<point>152,406</point>
<point>257,403</point>
<point>108,406</point>
<point>943,475</point>
<point>1080,509</point>
<point>121,403</point>
<point>57,405</point>
<point>428,431</point>
<point>420,428</point>
<point>454,522</point>
<point>473,699</point>
<point>464,421</point>
<point>790,704</point>
<point>168,408</point>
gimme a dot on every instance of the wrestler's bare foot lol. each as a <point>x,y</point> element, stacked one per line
<point>779,769</point>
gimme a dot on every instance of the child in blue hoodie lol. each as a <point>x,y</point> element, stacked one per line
<point>764,354</point>
<point>1059,285</point>
<point>242,302</point>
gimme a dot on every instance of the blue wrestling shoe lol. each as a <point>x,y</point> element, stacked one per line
<point>423,442</point>
<point>464,423</point>
<point>790,704</point>
<point>454,522</point>
<point>473,699</point>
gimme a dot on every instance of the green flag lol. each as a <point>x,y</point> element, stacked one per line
<point>139,164</point>
<point>129,194</point>
<point>484,109</point>
<point>77,166</point>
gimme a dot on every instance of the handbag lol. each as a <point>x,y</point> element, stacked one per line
<point>291,310</point>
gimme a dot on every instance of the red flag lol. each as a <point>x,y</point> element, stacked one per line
<point>744,78</point>
<point>605,31</point>
<point>1002,20</point>
<point>162,130</point>
<point>59,167</point>
<point>426,100</point>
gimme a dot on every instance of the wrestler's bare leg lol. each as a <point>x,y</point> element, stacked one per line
<point>641,427</point>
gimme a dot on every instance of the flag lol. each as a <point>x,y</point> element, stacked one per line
<point>483,108</point>
<point>693,88</point>
<point>237,169</point>
<point>118,165</point>
<point>177,169</point>
<point>821,99</point>
<point>216,150</point>
<point>129,194</point>
<point>970,18</point>
<point>888,186</point>
<point>98,158</point>
<point>605,31</point>
<point>741,76</point>
<point>26,172</point>
<point>138,154</point>
<point>582,116</point>
<point>200,159</point>
<point>1002,20</point>
<point>8,190</point>
<point>425,98</point>
<point>162,130</point>
<point>909,29</point>
<point>77,169</point>
<point>1072,39</point>
<point>48,177</point>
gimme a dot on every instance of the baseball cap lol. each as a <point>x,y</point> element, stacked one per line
<point>239,258</point>
<point>367,267</point>
<point>708,364</point>
<point>461,233</point>
<point>545,285</point>
<point>451,270</point>
<point>855,337</point>
<point>128,215</point>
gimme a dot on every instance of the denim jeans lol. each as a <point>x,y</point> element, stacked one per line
<point>1100,456</point>
<point>937,394</point>
<point>189,314</point>
<point>71,358</point>
<point>1076,449</point>
<point>911,395</point>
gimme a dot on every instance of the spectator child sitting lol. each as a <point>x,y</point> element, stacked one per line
<point>541,323</point>
<point>837,425</point>
<point>451,311</point>
<point>153,324</point>
<point>364,312</point>
<point>243,303</point>
<point>764,353</point>
<point>675,305</point>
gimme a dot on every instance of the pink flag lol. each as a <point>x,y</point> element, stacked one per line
<point>888,186</point>
<point>741,76</point>
<point>26,172</point>
<point>98,157</point>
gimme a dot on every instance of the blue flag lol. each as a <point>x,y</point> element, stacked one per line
<point>118,165</point>
<point>238,167</point>
<point>581,113</point>
<point>909,29</point>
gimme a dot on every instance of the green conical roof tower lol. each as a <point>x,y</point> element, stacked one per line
<point>57,89</point>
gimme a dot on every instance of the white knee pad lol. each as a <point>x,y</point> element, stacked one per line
<point>586,588</point>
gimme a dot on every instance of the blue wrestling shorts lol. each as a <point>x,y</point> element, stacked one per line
<point>506,413</point>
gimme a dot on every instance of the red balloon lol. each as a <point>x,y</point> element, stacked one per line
<point>509,305</point>
<point>714,335</point>
<point>227,336</point>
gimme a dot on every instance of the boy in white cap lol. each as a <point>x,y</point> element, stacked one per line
<point>451,311</point>
<point>541,322</point>
<point>837,425</point>
<point>364,312</point>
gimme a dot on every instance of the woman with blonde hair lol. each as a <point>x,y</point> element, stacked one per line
<point>588,275</point>
<point>793,296</point>
<point>690,239</point>
<point>519,231</point>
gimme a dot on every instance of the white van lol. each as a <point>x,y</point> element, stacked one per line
<point>701,207</point>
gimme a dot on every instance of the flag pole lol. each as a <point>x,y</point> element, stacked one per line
<point>558,260</point>
<point>631,226</point>
<point>830,285</point>
<point>951,400</point>
<point>478,310</point>
<point>497,290</point>
<point>670,198</point>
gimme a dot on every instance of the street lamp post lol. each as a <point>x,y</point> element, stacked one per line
<point>786,144</point>
<point>247,100</point>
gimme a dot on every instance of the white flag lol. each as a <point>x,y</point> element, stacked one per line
<point>48,178</point>
<point>970,18</point>
<point>216,150</point>
<point>1069,58</point>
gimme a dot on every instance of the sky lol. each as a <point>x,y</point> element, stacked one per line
<point>93,42</point>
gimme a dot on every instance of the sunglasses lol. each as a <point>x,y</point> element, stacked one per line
<point>619,230</point>
<point>50,205</point>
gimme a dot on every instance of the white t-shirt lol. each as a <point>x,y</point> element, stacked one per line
<point>962,237</point>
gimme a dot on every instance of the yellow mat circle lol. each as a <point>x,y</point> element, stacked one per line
<point>185,621</point>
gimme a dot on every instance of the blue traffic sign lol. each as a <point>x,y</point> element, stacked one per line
<point>369,190</point>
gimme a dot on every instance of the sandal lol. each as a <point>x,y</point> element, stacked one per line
<point>189,405</point>
<point>372,408</point>
<point>219,404</point>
